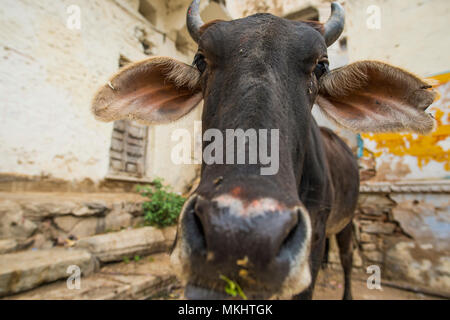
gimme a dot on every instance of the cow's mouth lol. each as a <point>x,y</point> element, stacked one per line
<point>194,292</point>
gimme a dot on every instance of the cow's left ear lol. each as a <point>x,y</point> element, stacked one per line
<point>155,90</point>
<point>371,96</point>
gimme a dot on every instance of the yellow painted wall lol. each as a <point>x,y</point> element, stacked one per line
<point>431,152</point>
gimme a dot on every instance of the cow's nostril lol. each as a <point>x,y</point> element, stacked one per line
<point>199,225</point>
<point>289,236</point>
<point>295,236</point>
<point>199,214</point>
<point>193,227</point>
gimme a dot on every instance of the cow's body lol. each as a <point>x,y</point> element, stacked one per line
<point>344,178</point>
<point>330,179</point>
<point>329,189</point>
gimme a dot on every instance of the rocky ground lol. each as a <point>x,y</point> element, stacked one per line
<point>136,279</point>
<point>116,264</point>
<point>330,287</point>
<point>151,277</point>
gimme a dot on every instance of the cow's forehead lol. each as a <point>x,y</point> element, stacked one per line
<point>261,28</point>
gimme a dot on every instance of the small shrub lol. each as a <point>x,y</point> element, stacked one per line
<point>164,206</point>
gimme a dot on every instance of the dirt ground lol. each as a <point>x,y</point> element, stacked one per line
<point>330,287</point>
<point>330,284</point>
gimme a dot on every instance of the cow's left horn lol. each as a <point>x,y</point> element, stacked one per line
<point>193,20</point>
<point>335,24</point>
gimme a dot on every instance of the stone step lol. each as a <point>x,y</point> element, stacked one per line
<point>43,220</point>
<point>25,270</point>
<point>46,204</point>
<point>143,279</point>
<point>117,246</point>
<point>29,269</point>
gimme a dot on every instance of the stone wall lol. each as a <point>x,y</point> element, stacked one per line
<point>42,221</point>
<point>405,232</point>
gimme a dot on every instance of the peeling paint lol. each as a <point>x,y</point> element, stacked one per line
<point>424,148</point>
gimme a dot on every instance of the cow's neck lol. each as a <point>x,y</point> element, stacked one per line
<point>314,186</point>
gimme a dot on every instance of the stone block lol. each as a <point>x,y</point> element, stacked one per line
<point>365,237</point>
<point>13,223</point>
<point>374,256</point>
<point>368,246</point>
<point>378,228</point>
<point>408,261</point>
<point>88,227</point>
<point>127,243</point>
<point>28,269</point>
<point>7,245</point>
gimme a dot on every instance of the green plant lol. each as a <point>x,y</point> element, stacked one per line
<point>232,288</point>
<point>126,260</point>
<point>137,258</point>
<point>164,206</point>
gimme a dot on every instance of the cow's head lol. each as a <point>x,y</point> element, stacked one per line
<point>259,72</point>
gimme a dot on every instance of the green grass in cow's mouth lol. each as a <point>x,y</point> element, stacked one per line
<point>232,288</point>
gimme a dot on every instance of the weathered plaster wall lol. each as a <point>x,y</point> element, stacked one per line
<point>404,230</point>
<point>410,36</point>
<point>406,234</point>
<point>240,9</point>
<point>49,74</point>
<point>411,156</point>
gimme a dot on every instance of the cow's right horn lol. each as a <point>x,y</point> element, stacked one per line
<point>335,24</point>
<point>193,20</point>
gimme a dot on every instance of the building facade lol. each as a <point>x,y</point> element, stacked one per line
<point>54,56</point>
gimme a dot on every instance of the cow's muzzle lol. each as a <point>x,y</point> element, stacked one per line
<point>261,245</point>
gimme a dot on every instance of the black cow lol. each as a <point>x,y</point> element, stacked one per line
<point>267,232</point>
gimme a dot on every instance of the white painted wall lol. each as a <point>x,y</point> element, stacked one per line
<point>412,34</point>
<point>49,74</point>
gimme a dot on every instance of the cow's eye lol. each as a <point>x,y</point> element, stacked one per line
<point>200,62</point>
<point>321,68</point>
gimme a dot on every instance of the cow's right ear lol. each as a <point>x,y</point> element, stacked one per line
<point>371,96</point>
<point>156,90</point>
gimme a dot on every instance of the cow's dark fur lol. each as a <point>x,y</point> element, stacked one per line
<point>268,233</point>
<point>260,75</point>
